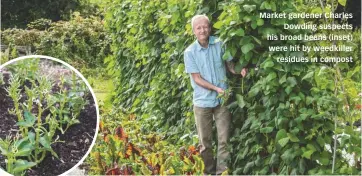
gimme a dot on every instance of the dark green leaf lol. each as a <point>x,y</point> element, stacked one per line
<point>308,75</point>
<point>248,166</point>
<point>259,22</point>
<point>45,141</point>
<point>283,141</point>
<point>246,48</point>
<point>22,165</point>
<point>274,159</point>
<point>308,153</point>
<point>239,32</point>
<point>249,8</point>
<point>288,155</point>
<point>29,120</point>
<point>293,138</point>
<point>266,130</point>
<point>240,100</point>
<point>281,134</point>
<point>268,64</point>
<point>301,166</point>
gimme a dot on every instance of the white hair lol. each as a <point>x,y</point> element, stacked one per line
<point>197,17</point>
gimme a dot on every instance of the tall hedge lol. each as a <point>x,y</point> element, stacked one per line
<point>284,114</point>
<point>81,41</point>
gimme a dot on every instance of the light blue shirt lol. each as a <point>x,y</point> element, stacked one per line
<point>209,63</point>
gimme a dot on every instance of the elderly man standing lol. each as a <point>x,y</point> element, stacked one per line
<point>204,63</point>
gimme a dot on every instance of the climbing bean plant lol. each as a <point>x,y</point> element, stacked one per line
<point>288,118</point>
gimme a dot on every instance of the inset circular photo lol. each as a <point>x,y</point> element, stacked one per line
<point>49,116</point>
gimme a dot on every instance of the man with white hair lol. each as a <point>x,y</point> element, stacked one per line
<point>204,63</point>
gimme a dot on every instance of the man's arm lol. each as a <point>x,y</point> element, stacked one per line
<point>230,65</point>
<point>203,83</point>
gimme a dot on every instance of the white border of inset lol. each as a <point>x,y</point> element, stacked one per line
<point>89,87</point>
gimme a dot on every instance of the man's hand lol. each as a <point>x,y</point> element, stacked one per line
<point>219,90</point>
<point>203,83</point>
<point>230,66</point>
<point>243,72</point>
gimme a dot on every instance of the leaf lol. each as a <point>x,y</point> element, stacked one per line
<point>240,100</point>
<point>288,89</point>
<point>259,22</point>
<point>324,158</point>
<point>268,31</point>
<point>253,24</point>
<point>218,24</point>
<point>301,165</point>
<point>266,5</point>
<point>226,55</point>
<point>20,143</point>
<point>253,92</point>
<point>248,166</point>
<point>256,40</point>
<point>274,159</point>
<point>22,165</point>
<point>268,64</point>
<point>145,170</point>
<point>249,8</point>
<point>24,147</point>
<point>271,76</point>
<point>283,141</point>
<point>247,18</point>
<point>308,75</point>
<point>288,155</point>
<point>311,147</point>
<point>31,136</point>
<point>309,100</point>
<point>247,57</point>
<point>45,142</point>
<point>4,147</point>
<point>273,6</point>
<point>239,32</point>
<point>281,134</point>
<point>266,130</point>
<point>342,2</point>
<point>246,48</point>
<point>320,141</point>
<point>292,137</point>
<point>26,151</point>
<point>308,153</point>
<point>283,79</point>
<point>291,81</point>
<point>29,120</point>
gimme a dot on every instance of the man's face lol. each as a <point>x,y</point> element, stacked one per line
<point>201,29</point>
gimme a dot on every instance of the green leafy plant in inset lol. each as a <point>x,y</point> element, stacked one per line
<point>37,129</point>
<point>14,92</point>
<point>13,148</point>
<point>70,102</point>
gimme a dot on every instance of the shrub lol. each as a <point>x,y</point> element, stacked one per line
<point>285,114</point>
<point>82,41</point>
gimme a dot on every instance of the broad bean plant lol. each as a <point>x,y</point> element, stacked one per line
<point>44,108</point>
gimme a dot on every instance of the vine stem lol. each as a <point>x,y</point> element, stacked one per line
<point>40,111</point>
<point>338,77</point>
<point>242,86</point>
